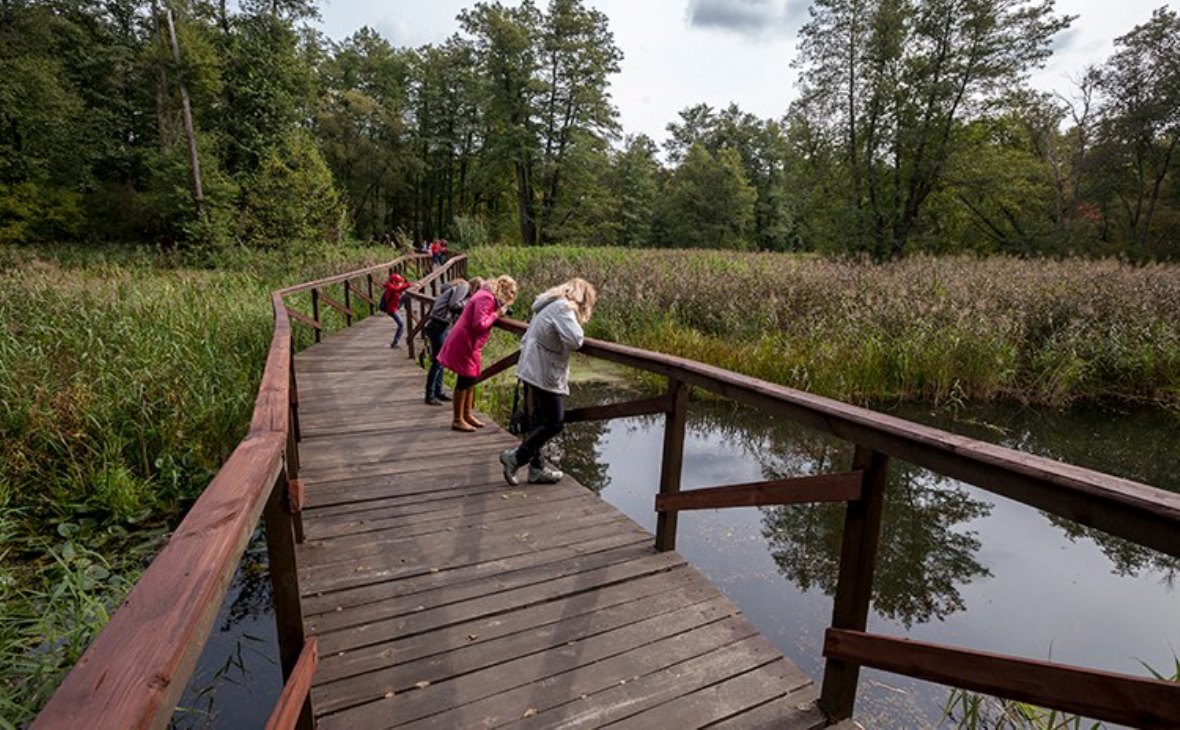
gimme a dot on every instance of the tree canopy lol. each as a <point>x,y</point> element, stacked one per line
<point>203,125</point>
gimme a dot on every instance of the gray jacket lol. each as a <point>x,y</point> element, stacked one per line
<point>545,349</point>
<point>449,303</point>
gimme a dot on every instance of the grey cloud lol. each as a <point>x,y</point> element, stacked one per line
<point>1065,40</point>
<point>752,18</point>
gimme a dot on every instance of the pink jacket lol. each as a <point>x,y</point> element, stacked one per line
<point>461,350</point>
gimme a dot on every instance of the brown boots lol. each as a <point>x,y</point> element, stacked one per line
<point>462,403</point>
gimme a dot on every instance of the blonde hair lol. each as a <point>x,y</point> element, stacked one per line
<point>579,293</point>
<point>504,288</point>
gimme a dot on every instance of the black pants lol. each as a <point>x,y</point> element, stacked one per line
<point>547,412</point>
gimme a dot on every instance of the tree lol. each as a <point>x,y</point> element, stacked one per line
<point>1140,119</point>
<point>894,79</point>
<point>707,202</point>
<point>634,186</point>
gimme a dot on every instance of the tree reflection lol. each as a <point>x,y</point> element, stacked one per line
<point>924,557</point>
<point>1136,444</point>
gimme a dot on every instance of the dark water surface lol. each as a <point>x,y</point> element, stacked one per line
<point>958,565</point>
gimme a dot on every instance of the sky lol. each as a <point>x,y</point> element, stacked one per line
<point>678,53</point>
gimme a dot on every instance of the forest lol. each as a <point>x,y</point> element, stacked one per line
<point>202,126</point>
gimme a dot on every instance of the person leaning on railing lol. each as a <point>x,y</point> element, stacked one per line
<point>544,368</point>
<point>462,351</point>
<point>447,307</point>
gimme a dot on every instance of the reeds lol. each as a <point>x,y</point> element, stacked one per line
<point>1044,332</point>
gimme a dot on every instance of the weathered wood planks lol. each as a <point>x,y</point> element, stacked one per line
<point>441,597</point>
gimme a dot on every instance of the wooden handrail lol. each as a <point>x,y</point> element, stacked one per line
<point>842,487</point>
<point>293,698</point>
<point>135,670</point>
<point>1138,512</point>
<point>1121,698</point>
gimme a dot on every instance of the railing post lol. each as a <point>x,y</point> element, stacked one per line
<point>348,302</point>
<point>854,587</point>
<point>672,461</point>
<point>410,326</point>
<point>369,281</point>
<point>284,580</point>
<point>315,311</point>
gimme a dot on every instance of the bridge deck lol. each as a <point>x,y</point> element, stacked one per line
<point>443,598</point>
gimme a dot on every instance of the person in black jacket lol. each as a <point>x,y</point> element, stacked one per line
<point>447,307</point>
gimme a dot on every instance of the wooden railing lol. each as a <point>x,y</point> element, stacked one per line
<point>1137,512</point>
<point>135,670</point>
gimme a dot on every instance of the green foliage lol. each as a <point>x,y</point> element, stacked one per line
<point>707,202</point>
<point>291,198</point>
<point>33,212</point>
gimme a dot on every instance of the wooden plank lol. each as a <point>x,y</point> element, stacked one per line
<point>795,710</point>
<point>293,702</point>
<point>339,576</point>
<point>842,487</point>
<point>336,305</point>
<point>641,407</point>
<point>477,532</point>
<point>724,699</point>
<point>506,691</point>
<point>613,605</point>
<point>677,683</point>
<point>498,367</point>
<point>432,618</point>
<point>303,319</point>
<point>319,603</point>
<point>1120,698</point>
<point>135,670</point>
<point>402,675</point>
<point>672,461</point>
<point>452,590</point>
<point>854,584</point>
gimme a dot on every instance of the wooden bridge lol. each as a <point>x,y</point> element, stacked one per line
<point>412,587</point>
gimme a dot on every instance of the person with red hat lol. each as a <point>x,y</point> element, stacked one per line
<point>391,300</point>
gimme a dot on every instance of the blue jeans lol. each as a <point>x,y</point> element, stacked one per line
<point>397,318</point>
<point>436,332</point>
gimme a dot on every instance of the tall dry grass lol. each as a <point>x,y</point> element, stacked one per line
<point>1044,332</point>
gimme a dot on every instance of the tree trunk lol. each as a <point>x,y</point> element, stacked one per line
<point>187,113</point>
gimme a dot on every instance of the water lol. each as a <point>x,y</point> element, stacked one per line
<point>237,681</point>
<point>957,565</point>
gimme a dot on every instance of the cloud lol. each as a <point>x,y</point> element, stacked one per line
<point>751,18</point>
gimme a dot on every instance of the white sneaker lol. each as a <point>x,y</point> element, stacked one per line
<point>508,459</point>
<point>544,474</point>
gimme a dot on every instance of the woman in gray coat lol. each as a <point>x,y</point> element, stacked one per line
<point>544,366</point>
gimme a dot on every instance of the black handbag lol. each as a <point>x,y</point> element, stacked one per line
<point>518,421</point>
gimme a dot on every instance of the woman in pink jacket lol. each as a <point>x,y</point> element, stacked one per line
<point>461,353</point>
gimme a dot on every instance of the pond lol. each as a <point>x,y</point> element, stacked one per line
<point>958,565</point>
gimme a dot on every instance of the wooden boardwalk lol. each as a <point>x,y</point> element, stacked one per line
<point>443,598</point>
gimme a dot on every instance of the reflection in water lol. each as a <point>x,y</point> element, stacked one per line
<point>925,553</point>
<point>999,576</point>
<point>1139,445</point>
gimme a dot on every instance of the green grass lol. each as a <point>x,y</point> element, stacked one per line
<point>125,381</point>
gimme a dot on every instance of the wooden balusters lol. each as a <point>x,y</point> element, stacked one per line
<point>673,461</point>
<point>348,303</point>
<point>854,587</point>
<point>284,580</point>
<point>315,312</point>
